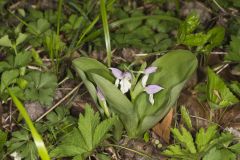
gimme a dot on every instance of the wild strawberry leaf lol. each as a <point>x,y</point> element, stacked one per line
<point>203,138</point>
<point>218,94</point>
<point>41,87</point>
<point>83,140</point>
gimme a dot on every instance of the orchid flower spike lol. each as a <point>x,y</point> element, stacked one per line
<point>146,73</point>
<point>151,90</point>
<point>100,94</point>
<point>122,78</point>
<point>102,101</point>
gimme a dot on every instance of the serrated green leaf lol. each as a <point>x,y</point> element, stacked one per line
<point>235,148</point>
<point>218,94</point>
<point>71,145</point>
<point>22,59</point>
<point>4,66</point>
<point>235,87</point>
<point>215,38</point>
<point>213,154</point>
<point>5,41</point>
<point>185,138</point>
<point>81,142</point>
<point>198,39</point>
<point>103,157</point>
<point>174,150</point>
<point>87,124</point>
<point>234,50</point>
<point>186,118</point>
<point>204,138</point>
<point>101,130</point>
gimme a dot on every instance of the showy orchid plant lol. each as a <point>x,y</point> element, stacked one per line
<point>140,98</point>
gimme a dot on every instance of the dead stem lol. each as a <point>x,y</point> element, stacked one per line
<point>59,102</point>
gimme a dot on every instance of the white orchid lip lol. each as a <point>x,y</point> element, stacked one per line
<point>151,90</point>
<point>122,78</point>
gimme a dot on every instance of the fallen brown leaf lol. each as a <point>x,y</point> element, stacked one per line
<point>162,129</point>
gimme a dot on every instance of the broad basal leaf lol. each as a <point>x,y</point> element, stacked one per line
<point>219,95</point>
<point>41,87</point>
<point>90,65</point>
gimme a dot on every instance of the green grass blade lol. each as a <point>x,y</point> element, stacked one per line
<point>106,31</point>
<point>87,30</point>
<point>42,151</point>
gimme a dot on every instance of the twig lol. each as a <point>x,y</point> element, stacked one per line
<point>132,150</point>
<point>59,102</point>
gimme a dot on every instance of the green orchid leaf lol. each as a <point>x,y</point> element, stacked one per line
<point>179,72</point>
<point>113,95</point>
<point>90,65</point>
<point>5,41</point>
<point>218,94</point>
<point>118,102</point>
